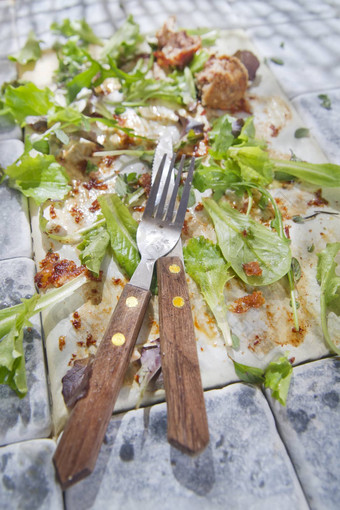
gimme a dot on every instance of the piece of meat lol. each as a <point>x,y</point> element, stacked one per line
<point>55,272</point>
<point>252,268</point>
<point>222,82</point>
<point>250,62</point>
<point>244,303</point>
<point>175,49</point>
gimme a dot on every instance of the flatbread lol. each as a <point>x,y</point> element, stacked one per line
<point>263,332</point>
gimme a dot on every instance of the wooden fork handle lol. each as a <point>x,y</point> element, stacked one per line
<point>79,445</point>
<point>187,418</point>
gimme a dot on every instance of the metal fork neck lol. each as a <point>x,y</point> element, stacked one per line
<point>143,275</point>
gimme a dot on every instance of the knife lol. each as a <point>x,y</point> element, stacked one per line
<point>186,413</point>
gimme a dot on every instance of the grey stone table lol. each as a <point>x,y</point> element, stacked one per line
<point>261,455</point>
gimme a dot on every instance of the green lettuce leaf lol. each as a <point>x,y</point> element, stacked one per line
<point>72,60</point>
<point>124,42</point>
<point>39,177</point>
<point>82,80</point>
<point>27,100</point>
<point>13,320</point>
<point>215,177</point>
<point>93,248</point>
<point>330,288</point>
<point>122,229</point>
<point>324,174</point>
<point>221,137</point>
<point>76,28</point>
<point>30,52</point>
<point>276,376</point>
<point>206,266</point>
<point>242,240</point>
<point>254,163</point>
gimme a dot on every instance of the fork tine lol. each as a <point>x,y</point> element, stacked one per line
<point>150,204</point>
<point>170,211</point>
<point>160,209</point>
<point>185,196</point>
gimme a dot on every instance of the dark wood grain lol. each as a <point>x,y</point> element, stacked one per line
<point>78,448</point>
<point>187,418</point>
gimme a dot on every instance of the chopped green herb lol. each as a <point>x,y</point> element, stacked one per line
<point>325,101</point>
<point>296,268</point>
<point>301,133</point>
<point>311,248</point>
<point>277,61</point>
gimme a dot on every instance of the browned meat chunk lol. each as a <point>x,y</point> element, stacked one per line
<point>176,49</point>
<point>223,82</point>
<point>252,268</point>
<point>250,62</point>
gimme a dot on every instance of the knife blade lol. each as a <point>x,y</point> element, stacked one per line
<point>186,413</point>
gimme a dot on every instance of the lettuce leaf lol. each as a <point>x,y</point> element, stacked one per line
<point>93,248</point>
<point>30,52</point>
<point>122,229</point>
<point>221,137</point>
<point>39,177</point>
<point>330,288</point>
<point>324,174</point>
<point>206,266</point>
<point>27,100</point>
<point>276,376</point>
<point>13,320</point>
<point>124,42</point>
<point>215,177</point>
<point>242,240</point>
<point>76,28</point>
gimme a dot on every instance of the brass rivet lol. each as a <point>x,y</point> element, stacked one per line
<point>174,268</point>
<point>178,301</point>
<point>131,302</point>
<point>118,339</point>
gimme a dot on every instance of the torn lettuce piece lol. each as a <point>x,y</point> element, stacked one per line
<point>27,100</point>
<point>124,42</point>
<point>221,137</point>
<point>214,177</point>
<point>276,376</point>
<point>39,177</point>
<point>321,174</point>
<point>30,52</point>
<point>13,320</point>
<point>254,163</point>
<point>247,245</point>
<point>77,29</point>
<point>330,289</point>
<point>93,248</point>
<point>206,266</point>
<point>122,229</point>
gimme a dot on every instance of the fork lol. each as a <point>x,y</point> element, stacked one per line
<point>157,234</point>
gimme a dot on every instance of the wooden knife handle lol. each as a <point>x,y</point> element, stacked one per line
<point>187,418</point>
<point>79,445</point>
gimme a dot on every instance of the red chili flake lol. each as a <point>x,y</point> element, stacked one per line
<point>81,344</point>
<point>252,268</point>
<point>94,183</point>
<point>291,360</point>
<point>244,233</point>
<point>287,231</point>
<point>185,228</point>
<point>116,281</point>
<point>275,131</point>
<point>90,341</point>
<point>145,182</point>
<point>94,206</point>
<point>199,207</point>
<point>244,303</point>
<point>73,357</point>
<point>77,214</point>
<point>53,214</point>
<point>62,343</point>
<point>318,200</point>
<point>139,208</point>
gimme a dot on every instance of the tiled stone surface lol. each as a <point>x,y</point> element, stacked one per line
<point>27,479</point>
<point>309,51</point>
<point>26,418</point>
<point>309,426</point>
<point>15,231</point>
<point>323,124</point>
<point>245,463</point>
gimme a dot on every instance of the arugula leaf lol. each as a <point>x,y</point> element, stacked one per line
<point>93,248</point>
<point>330,288</point>
<point>242,241</point>
<point>122,229</point>
<point>221,137</point>
<point>82,80</point>
<point>254,163</point>
<point>13,320</point>
<point>27,100</point>
<point>123,44</point>
<point>39,177</point>
<point>324,174</point>
<point>72,59</point>
<point>276,376</point>
<point>213,177</point>
<point>206,266</point>
<point>30,52</point>
<point>76,28</point>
